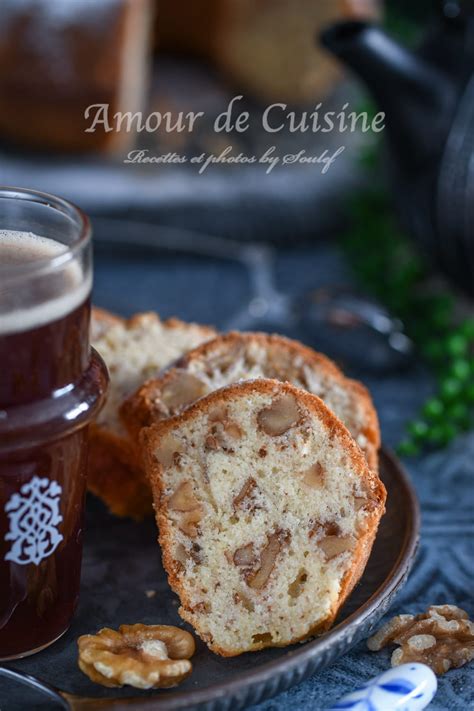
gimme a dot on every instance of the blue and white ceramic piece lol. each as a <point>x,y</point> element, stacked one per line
<point>409,687</point>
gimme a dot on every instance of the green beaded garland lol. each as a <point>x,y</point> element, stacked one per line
<point>396,275</point>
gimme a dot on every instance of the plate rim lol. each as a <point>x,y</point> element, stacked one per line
<point>239,689</point>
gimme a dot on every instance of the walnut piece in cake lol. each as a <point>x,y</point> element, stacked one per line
<point>442,638</point>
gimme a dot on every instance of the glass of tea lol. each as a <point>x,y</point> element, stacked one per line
<point>51,385</point>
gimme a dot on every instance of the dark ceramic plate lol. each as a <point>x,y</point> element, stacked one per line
<point>121,567</point>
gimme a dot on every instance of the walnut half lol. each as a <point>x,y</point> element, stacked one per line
<point>143,656</point>
<point>442,638</point>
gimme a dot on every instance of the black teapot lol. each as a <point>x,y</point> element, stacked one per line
<point>428,99</point>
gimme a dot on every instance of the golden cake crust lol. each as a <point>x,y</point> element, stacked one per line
<point>115,473</point>
<point>146,405</point>
<point>153,436</point>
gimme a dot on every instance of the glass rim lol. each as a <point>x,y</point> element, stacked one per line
<point>61,205</point>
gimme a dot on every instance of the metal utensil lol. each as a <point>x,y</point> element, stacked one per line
<point>69,702</point>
